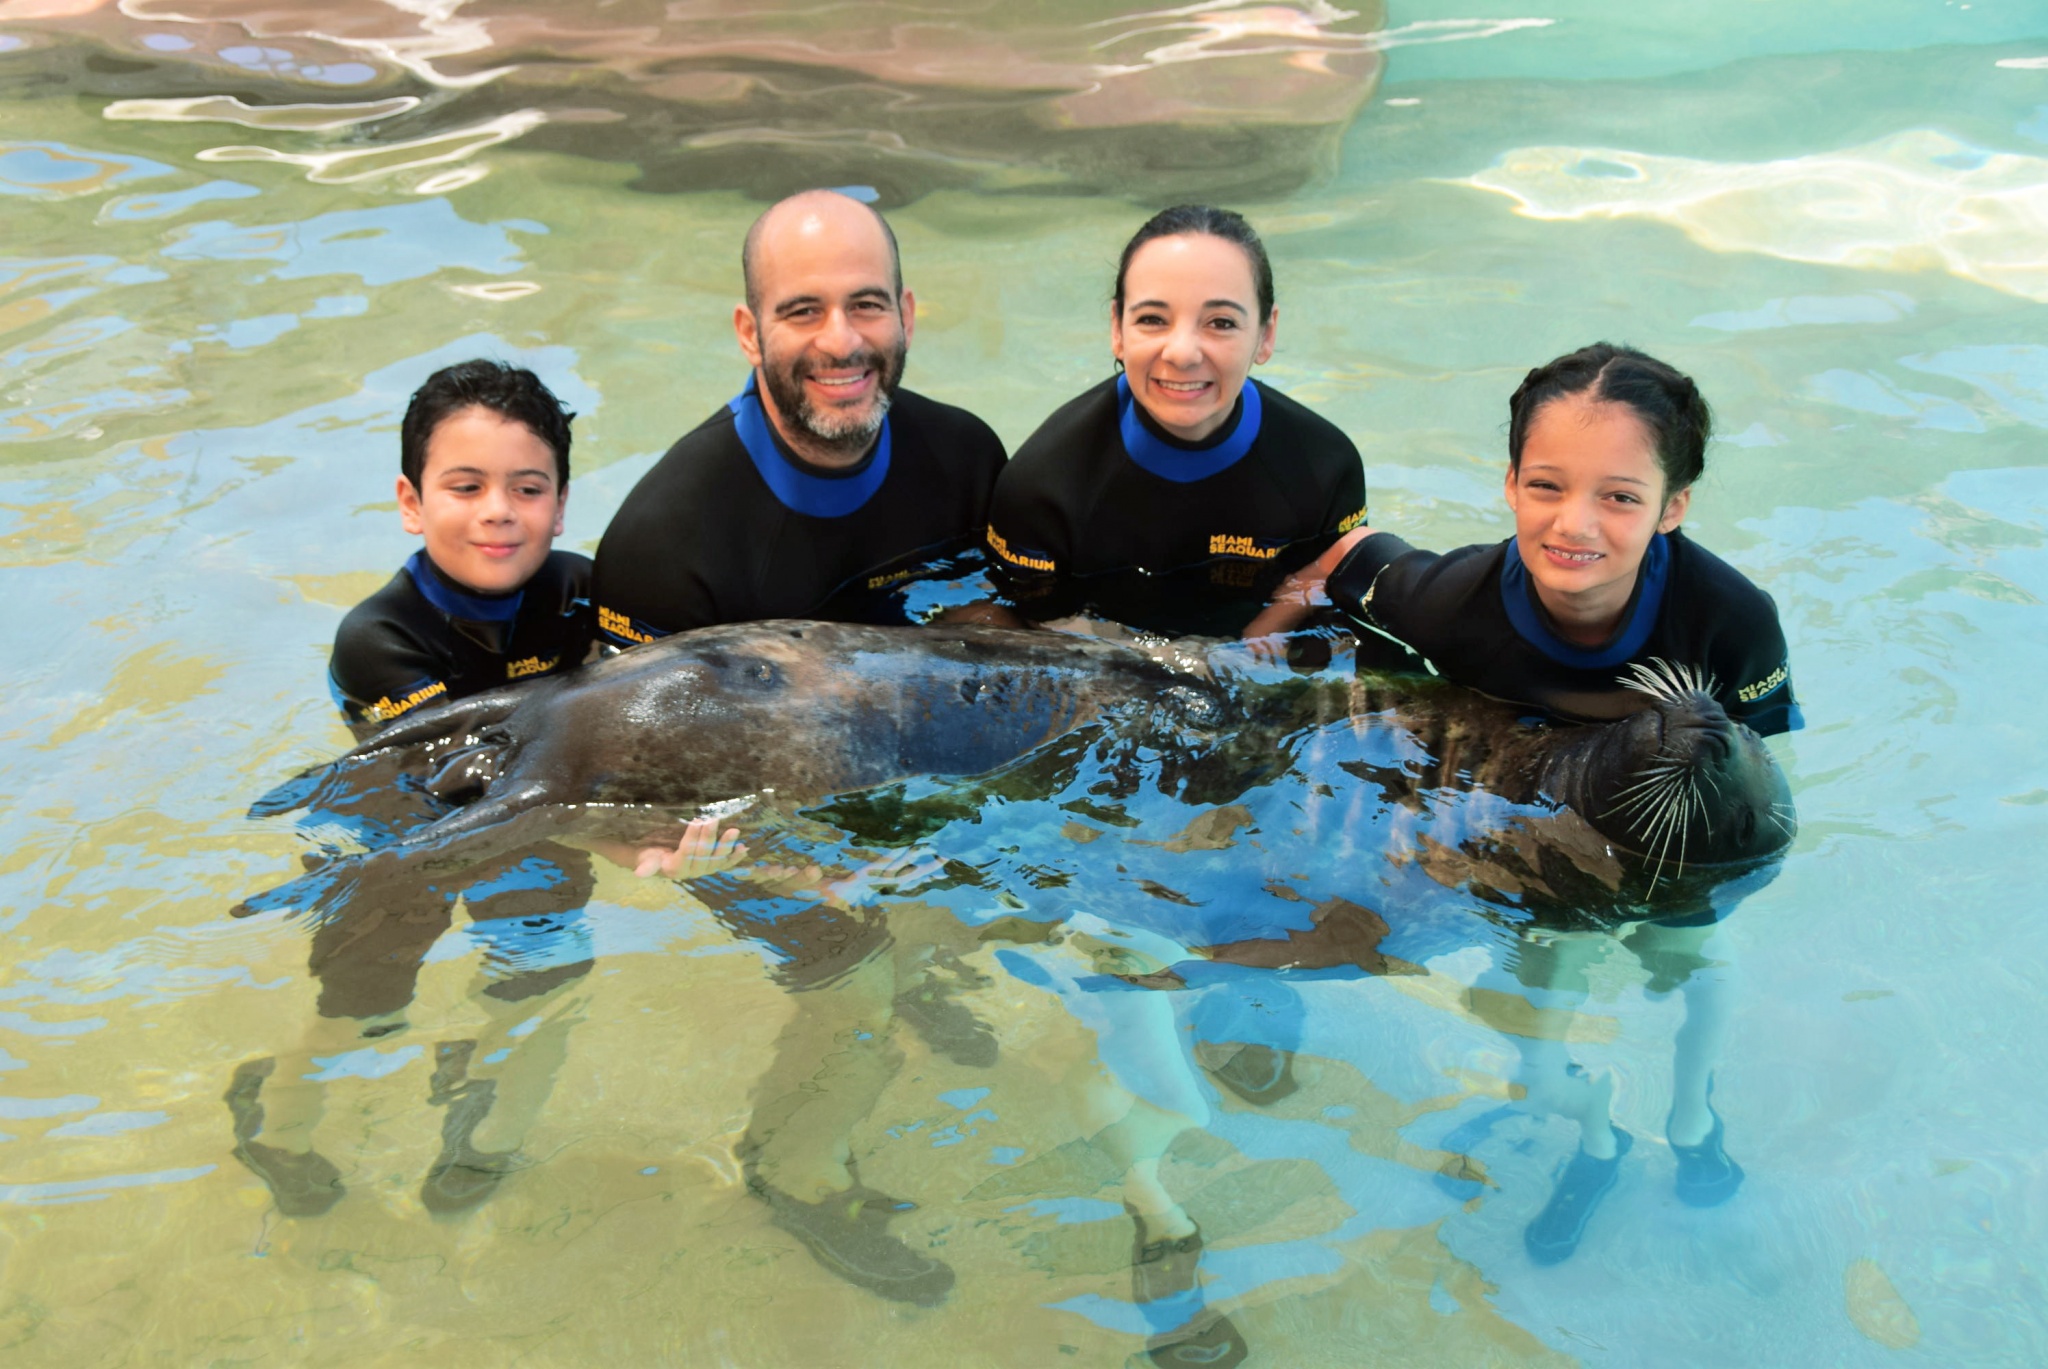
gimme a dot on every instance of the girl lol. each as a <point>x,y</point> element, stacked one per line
<point>1604,446</point>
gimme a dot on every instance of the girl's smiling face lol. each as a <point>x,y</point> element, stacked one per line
<point>1188,331</point>
<point>1588,495</point>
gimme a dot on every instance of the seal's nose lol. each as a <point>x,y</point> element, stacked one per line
<point>1716,741</point>
<point>1701,728</point>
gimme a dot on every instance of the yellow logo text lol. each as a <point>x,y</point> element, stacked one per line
<point>612,621</point>
<point>995,539</point>
<point>532,665</point>
<point>384,710</point>
<point>1353,521</point>
<point>1225,544</point>
<point>1751,693</point>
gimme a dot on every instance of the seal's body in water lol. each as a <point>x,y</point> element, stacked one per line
<point>807,710</point>
<point>798,710</point>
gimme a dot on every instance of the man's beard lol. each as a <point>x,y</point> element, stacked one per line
<point>845,434</point>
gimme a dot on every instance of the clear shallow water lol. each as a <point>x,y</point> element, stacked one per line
<point>1833,216</point>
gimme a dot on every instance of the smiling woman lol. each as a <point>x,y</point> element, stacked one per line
<point>1182,460</point>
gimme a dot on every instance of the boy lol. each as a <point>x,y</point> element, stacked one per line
<point>484,455</point>
<point>484,480</point>
<point>484,458</point>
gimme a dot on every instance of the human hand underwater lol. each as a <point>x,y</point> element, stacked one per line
<point>851,889</point>
<point>702,851</point>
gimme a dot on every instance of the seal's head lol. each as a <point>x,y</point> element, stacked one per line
<point>1679,784</point>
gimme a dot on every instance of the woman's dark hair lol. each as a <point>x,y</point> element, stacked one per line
<point>1217,223</point>
<point>1667,402</point>
<point>508,391</point>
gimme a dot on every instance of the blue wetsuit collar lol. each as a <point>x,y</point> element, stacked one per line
<point>457,602</point>
<point>1184,465</point>
<point>800,490</point>
<point>1518,596</point>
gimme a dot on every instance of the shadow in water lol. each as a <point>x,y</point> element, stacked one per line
<point>1163,104</point>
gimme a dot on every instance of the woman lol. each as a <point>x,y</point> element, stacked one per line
<point>1180,460</point>
<point>1604,446</point>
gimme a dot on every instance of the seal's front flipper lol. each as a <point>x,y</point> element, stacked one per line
<point>402,749</point>
<point>325,891</point>
<point>293,794</point>
<point>443,722</point>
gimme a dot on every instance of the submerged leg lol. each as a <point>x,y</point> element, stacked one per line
<point>303,1182</point>
<point>1552,974</point>
<point>929,972</point>
<point>832,1061</point>
<point>1683,957</point>
<point>1138,1091</point>
<point>528,911</point>
<point>276,1104</point>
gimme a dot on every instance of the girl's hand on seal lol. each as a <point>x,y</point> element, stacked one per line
<point>1298,596</point>
<point>702,851</point>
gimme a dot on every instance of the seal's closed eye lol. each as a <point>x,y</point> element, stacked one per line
<point>468,772</point>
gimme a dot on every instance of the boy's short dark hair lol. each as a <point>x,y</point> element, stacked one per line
<point>511,392</point>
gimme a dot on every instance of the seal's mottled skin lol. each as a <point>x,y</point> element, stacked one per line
<point>795,711</point>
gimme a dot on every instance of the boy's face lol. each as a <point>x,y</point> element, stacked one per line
<point>488,503</point>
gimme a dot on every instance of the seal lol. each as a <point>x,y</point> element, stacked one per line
<point>1660,807</point>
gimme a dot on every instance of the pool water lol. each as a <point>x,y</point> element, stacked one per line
<point>1835,216</point>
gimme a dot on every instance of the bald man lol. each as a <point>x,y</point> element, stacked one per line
<point>822,486</point>
<point>816,492</point>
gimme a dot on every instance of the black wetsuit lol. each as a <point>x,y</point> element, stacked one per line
<point>424,639</point>
<point>1102,509</point>
<point>1473,614</point>
<point>731,526</point>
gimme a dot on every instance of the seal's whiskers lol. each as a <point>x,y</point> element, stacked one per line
<point>1661,679</point>
<point>1665,801</point>
<point>1646,792</point>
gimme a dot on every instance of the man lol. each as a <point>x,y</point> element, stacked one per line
<point>816,492</point>
<point>822,485</point>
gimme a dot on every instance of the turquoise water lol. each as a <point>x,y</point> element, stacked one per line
<point>1833,215</point>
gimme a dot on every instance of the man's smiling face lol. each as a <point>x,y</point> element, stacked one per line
<point>827,329</point>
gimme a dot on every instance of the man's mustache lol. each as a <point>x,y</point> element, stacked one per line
<point>867,358</point>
